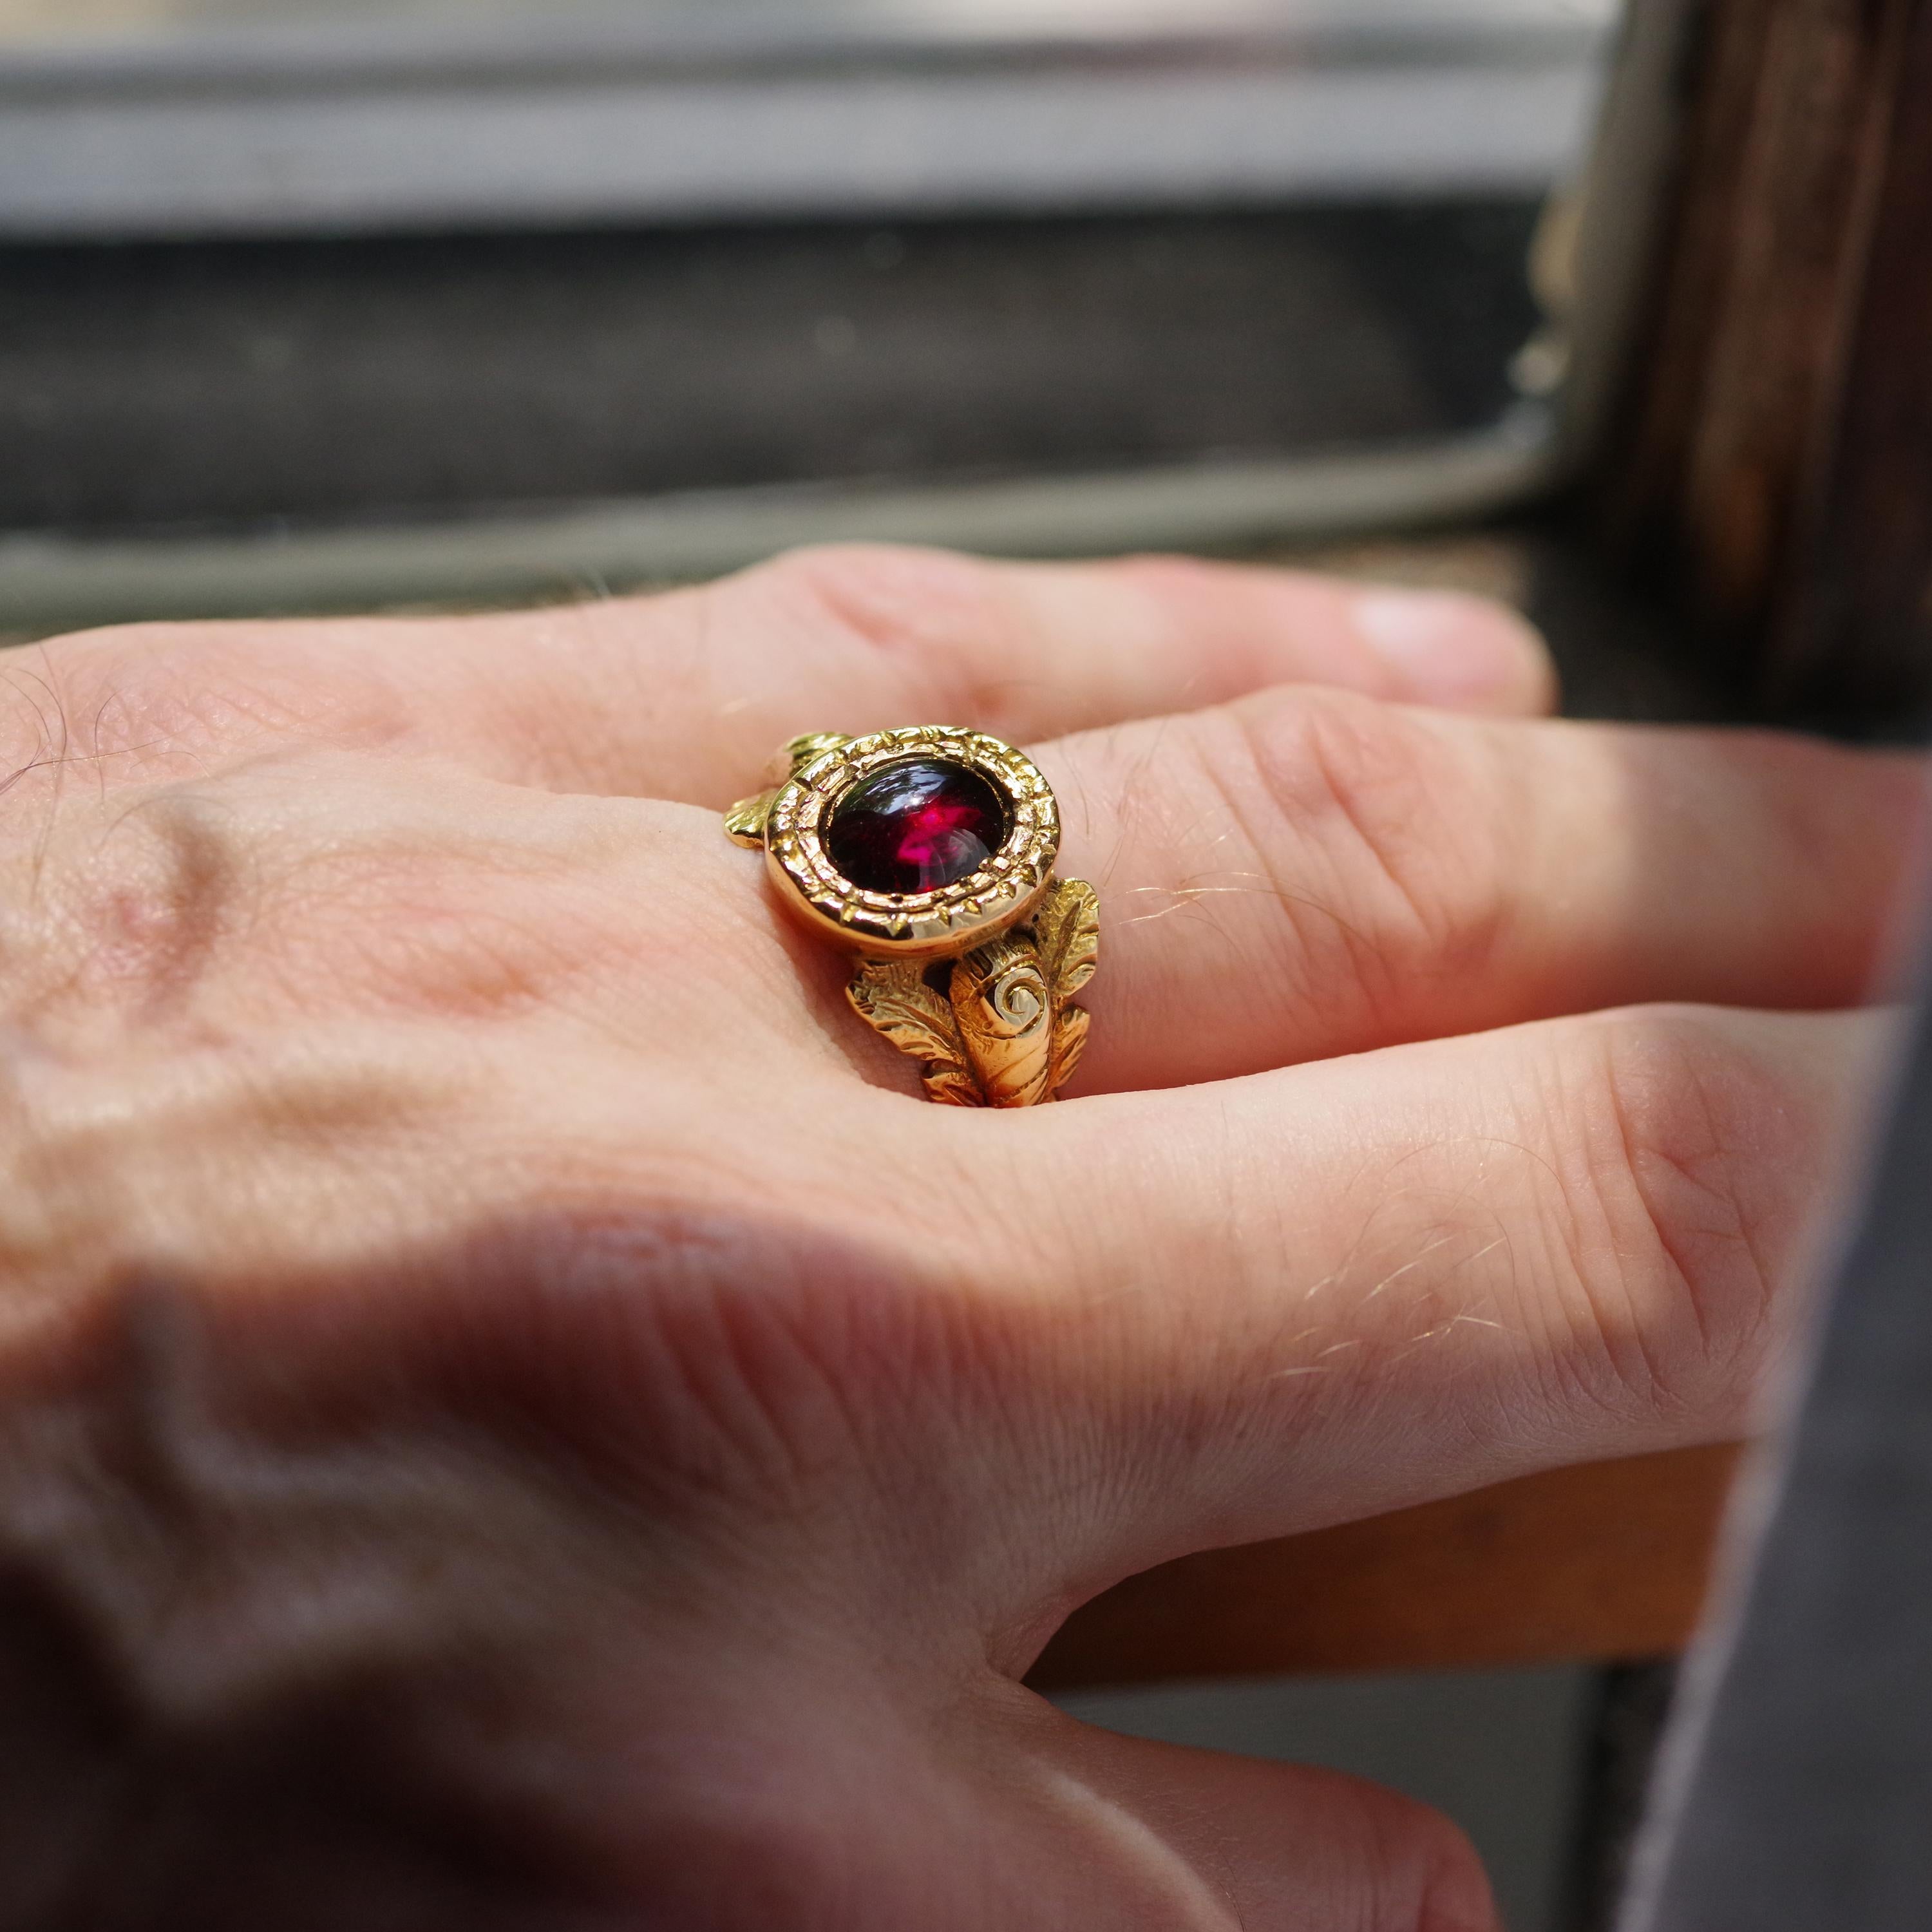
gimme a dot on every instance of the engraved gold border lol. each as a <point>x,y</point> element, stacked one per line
<point>930,925</point>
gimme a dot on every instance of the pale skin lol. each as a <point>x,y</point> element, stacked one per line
<point>514,1414</point>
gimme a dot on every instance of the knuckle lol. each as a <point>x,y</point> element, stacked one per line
<point>53,700</point>
<point>942,620</point>
<point>1373,832</point>
<point>884,596</point>
<point>213,903</point>
<point>1681,1216</point>
<point>141,702</point>
<point>121,699</point>
<point>122,923</point>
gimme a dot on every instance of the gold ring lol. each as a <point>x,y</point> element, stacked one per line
<point>928,853</point>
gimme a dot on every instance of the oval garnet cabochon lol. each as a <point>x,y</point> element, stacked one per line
<point>917,826</point>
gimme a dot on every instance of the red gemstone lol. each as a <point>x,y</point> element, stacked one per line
<point>916,827</point>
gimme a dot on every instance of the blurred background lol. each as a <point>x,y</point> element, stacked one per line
<point>335,304</point>
<point>306,302</point>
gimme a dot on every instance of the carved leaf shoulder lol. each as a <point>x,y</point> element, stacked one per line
<point>1004,1033</point>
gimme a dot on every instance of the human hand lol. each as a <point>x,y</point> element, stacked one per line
<point>513,1416</point>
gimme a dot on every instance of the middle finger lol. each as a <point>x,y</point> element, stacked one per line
<point>1304,874</point>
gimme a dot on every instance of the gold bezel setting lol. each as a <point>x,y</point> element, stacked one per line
<point>953,920</point>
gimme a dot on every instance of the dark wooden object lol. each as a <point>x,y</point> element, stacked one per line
<point>1777,468</point>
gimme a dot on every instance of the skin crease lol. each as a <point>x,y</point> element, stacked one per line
<point>511,1413</point>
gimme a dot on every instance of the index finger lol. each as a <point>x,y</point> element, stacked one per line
<point>685,696</point>
<point>859,639</point>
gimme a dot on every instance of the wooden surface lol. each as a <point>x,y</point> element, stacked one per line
<point>1777,466</point>
<point>1605,1562</point>
<point>1859,629</point>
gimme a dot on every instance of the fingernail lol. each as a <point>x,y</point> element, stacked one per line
<point>1448,648</point>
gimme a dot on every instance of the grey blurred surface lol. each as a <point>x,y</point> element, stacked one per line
<point>347,303</point>
<point>278,118</point>
<point>210,429</point>
<point>70,22</point>
<point>1796,1793</point>
<point>491,157</point>
<point>1502,1752</point>
<point>239,383</point>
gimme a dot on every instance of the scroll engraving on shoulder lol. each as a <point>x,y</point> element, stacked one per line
<point>1006,1033</point>
<point>1003,1006</point>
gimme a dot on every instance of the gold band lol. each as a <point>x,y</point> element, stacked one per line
<point>971,964</point>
